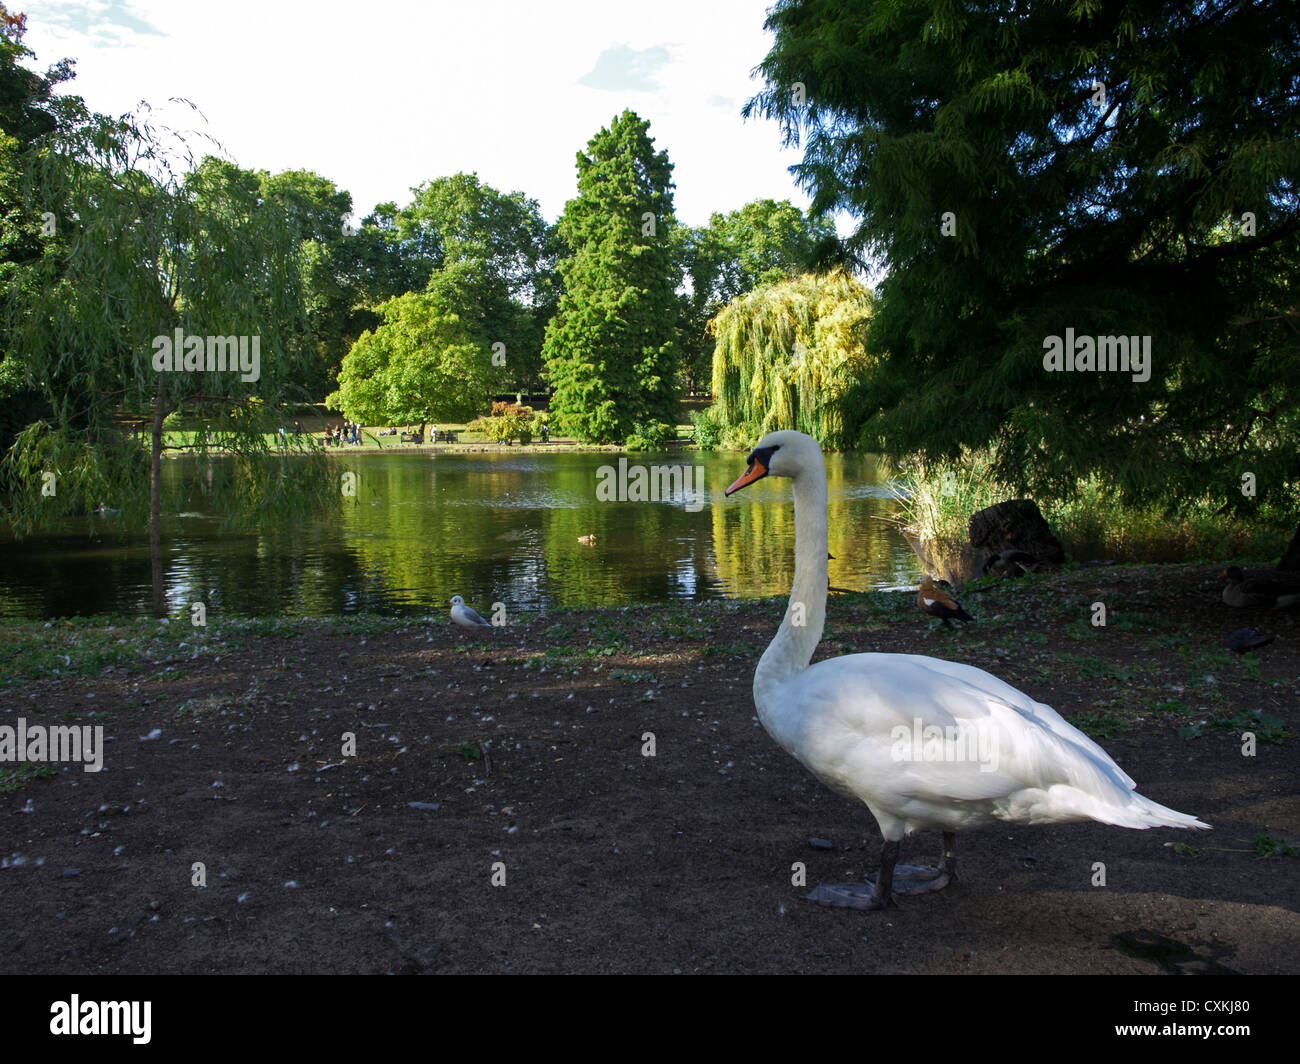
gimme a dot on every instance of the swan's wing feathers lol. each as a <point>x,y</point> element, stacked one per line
<point>921,732</point>
<point>1037,712</point>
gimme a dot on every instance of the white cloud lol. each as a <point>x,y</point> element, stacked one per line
<point>621,68</point>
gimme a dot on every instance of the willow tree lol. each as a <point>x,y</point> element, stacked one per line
<point>786,354</point>
<point>154,251</point>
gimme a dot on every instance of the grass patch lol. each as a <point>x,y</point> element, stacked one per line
<point>1099,668</point>
<point>1091,520</point>
<point>16,777</point>
<point>630,676</point>
<point>201,707</point>
<point>1267,846</point>
<point>1267,729</point>
<point>1100,725</point>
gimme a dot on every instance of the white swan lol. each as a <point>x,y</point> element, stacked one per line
<point>465,616</point>
<point>924,743</point>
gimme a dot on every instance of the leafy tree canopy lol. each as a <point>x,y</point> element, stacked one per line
<point>787,354</point>
<point>420,365</point>
<point>761,243</point>
<point>1117,169</point>
<point>491,262</point>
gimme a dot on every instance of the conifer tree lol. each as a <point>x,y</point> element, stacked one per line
<point>609,350</point>
<point>1124,171</point>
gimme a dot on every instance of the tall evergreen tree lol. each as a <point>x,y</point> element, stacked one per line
<point>609,350</point>
<point>1116,169</point>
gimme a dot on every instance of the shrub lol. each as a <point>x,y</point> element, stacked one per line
<point>708,433</point>
<point>651,436</point>
<point>507,421</point>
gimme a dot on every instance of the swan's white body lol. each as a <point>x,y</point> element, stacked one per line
<point>465,616</point>
<point>858,722</point>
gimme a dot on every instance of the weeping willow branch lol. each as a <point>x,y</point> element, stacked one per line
<point>786,353</point>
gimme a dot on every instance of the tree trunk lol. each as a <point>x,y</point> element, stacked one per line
<point>155,495</point>
<point>1291,556</point>
<point>1017,525</point>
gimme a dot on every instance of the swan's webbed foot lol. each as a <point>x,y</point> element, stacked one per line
<point>846,896</point>
<point>916,879</point>
<point>893,878</point>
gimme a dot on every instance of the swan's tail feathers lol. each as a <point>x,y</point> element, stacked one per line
<point>1144,813</point>
<point>1061,804</point>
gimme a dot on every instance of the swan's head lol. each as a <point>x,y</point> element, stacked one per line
<point>456,600</point>
<point>780,454</point>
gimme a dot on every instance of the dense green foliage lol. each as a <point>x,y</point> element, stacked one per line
<point>316,208</point>
<point>491,261</point>
<point>28,110</point>
<point>143,251</point>
<point>1023,169</point>
<point>786,356</point>
<point>420,365</point>
<point>507,422</point>
<point>760,243</point>
<point>609,350</point>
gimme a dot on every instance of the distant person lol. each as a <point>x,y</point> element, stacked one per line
<point>546,433</point>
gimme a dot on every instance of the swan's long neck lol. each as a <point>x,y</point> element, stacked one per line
<point>801,628</point>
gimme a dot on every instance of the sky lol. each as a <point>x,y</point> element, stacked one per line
<point>383,95</point>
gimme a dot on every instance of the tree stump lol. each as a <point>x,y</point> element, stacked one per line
<point>1018,525</point>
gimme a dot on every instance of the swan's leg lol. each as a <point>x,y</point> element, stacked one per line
<point>918,879</point>
<point>893,878</point>
<point>861,895</point>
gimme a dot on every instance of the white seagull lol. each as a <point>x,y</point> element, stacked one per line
<point>464,616</point>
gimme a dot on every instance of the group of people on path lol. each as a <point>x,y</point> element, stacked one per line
<point>348,432</point>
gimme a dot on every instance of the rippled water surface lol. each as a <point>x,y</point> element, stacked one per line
<point>491,527</point>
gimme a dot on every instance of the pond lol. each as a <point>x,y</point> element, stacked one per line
<point>492,527</point>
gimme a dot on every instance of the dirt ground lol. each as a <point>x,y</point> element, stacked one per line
<point>524,751</point>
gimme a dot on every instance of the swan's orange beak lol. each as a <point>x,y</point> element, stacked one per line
<point>756,471</point>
